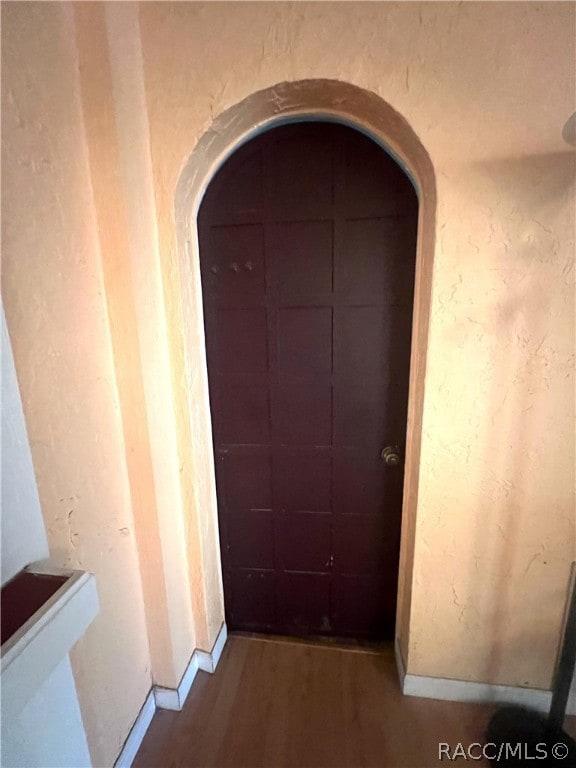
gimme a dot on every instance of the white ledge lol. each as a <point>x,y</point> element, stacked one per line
<point>36,649</point>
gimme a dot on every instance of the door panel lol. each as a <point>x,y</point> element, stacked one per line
<point>243,410</point>
<point>307,248</point>
<point>303,603</point>
<point>304,542</point>
<point>304,411</point>
<point>241,342</point>
<point>237,264</point>
<point>252,532</point>
<point>366,603</point>
<point>251,600</point>
<point>360,486</point>
<point>305,340</point>
<point>303,251</point>
<point>246,479</point>
<point>297,168</point>
<point>302,480</point>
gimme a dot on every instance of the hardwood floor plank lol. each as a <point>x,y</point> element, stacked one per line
<point>282,704</point>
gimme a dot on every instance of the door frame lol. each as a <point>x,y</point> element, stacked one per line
<point>308,100</point>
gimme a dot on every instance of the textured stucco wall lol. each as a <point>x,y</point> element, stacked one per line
<point>97,126</point>
<point>487,88</point>
<point>118,172</point>
<point>54,297</point>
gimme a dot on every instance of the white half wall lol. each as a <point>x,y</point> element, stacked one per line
<point>22,527</point>
<point>44,734</point>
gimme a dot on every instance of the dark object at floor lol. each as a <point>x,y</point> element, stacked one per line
<point>523,737</point>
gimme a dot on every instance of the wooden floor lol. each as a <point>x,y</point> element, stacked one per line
<point>277,704</point>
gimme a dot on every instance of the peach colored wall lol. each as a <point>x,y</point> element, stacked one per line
<point>152,460</point>
<point>487,88</point>
<point>54,296</point>
<point>179,515</point>
<point>91,290</point>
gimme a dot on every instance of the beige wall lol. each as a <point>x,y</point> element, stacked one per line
<point>54,296</point>
<point>113,405</point>
<point>487,88</point>
<point>119,177</point>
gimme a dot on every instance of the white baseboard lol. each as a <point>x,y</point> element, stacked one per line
<point>465,690</point>
<point>132,743</point>
<point>166,698</point>
<point>174,698</point>
<point>399,664</point>
<point>209,661</point>
<point>170,698</point>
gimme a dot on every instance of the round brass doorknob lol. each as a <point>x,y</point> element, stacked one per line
<point>391,455</point>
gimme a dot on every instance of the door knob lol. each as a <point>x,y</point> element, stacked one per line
<point>391,455</point>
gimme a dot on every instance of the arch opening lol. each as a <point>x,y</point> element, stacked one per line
<point>307,101</point>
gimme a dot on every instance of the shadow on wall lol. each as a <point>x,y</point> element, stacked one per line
<point>554,170</point>
<point>522,581</point>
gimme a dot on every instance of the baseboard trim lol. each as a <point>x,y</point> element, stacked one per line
<point>167,698</point>
<point>170,698</point>
<point>209,661</point>
<point>400,666</point>
<point>137,733</point>
<point>467,691</point>
<point>219,646</point>
<point>174,698</point>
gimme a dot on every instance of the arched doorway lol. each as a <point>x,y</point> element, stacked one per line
<point>299,100</point>
<point>307,240</point>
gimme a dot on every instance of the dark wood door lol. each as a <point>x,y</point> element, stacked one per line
<point>307,246</point>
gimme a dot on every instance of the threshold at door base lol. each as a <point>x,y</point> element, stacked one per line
<point>320,641</point>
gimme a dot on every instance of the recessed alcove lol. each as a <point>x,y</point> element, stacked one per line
<point>23,596</point>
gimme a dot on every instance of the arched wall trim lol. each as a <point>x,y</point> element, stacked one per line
<point>366,112</point>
